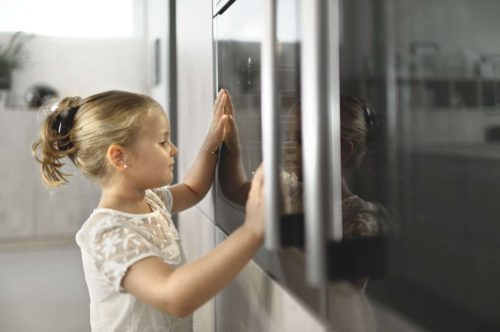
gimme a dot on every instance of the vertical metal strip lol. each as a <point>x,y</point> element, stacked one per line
<point>315,136</point>
<point>392,119</point>
<point>335,231</point>
<point>172,80</point>
<point>270,127</point>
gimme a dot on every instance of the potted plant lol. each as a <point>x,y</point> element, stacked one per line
<point>10,59</point>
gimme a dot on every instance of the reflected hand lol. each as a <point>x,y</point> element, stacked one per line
<point>216,131</point>
<point>231,136</point>
<point>255,204</point>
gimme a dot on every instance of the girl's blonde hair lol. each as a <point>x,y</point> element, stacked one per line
<point>356,120</point>
<point>112,117</point>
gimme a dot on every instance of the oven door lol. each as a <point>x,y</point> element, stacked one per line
<point>243,49</point>
<point>238,36</point>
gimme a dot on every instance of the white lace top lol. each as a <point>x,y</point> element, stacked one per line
<point>110,242</point>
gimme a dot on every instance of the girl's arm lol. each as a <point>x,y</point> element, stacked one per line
<point>232,176</point>
<point>233,179</point>
<point>181,291</point>
<point>200,176</point>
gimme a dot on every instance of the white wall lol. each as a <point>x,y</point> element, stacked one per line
<point>157,23</point>
<point>81,67</point>
<point>74,67</point>
<point>42,287</point>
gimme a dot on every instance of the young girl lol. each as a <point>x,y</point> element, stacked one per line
<point>134,265</point>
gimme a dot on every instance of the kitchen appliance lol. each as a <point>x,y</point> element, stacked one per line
<point>259,59</point>
<point>285,64</point>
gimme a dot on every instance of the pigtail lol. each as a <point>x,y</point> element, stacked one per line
<point>55,142</point>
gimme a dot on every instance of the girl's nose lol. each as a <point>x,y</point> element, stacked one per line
<point>173,150</point>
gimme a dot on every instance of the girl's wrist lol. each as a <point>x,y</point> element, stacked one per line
<point>256,234</point>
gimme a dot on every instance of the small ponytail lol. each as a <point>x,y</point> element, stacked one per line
<point>55,142</point>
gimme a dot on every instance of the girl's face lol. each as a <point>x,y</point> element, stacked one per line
<point>152,162</point>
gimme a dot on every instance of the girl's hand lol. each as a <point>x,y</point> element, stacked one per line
<point>231,136</point>
<point>255,204</point>
<point>219,123</point>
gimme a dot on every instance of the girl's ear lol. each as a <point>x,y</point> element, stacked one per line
<point>346,150</point>
<point>116,157</point>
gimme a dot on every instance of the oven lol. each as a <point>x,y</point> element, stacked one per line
<point>286,64</point>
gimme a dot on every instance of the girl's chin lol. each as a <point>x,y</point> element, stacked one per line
<point>169,180</point>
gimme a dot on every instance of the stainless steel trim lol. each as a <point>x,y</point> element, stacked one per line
<point>172,77</point>
<point>320,133</point>
<point>393,114</point>
<point>270,128</point>
<point>335,231</point>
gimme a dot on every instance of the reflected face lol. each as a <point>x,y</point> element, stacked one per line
<point>152,162</point>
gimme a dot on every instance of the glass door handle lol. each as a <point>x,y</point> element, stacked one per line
<point>320,118</point>
<point>270,128</point>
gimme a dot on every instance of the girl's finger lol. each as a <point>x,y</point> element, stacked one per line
<point>219,129</point>
<point>218,100</point>
<point>230,122</point>
<point>219,109</point>
<point>229,105</point>
<point>257,186</point>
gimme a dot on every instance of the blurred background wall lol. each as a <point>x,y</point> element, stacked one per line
<point>78,48</point>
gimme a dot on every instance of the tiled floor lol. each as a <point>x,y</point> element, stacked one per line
<point>42,288</point>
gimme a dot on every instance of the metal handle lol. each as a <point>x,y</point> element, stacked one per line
<point>335,231</point>
<point>270,128</point>
<point>320,133</point>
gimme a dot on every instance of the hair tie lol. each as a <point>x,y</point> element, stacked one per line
<point>62,125</point>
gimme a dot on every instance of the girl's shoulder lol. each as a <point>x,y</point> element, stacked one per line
<point>161,197</point>
<point>99,221</point>
<point>357,203</point>
<point>360,217</point>
<point>107,221</point>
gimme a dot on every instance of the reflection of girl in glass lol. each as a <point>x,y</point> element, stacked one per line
<point>348,307</point>
<point>359,217</point>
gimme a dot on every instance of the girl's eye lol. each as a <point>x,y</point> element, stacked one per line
<point>163,143</point>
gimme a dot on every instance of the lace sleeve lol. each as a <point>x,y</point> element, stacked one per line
<point>115,248</point>
<point>166,197</point>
